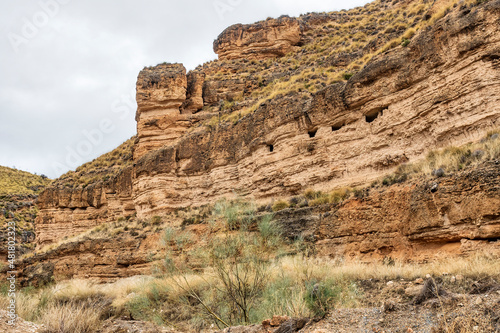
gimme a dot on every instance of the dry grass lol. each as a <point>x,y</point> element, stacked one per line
<point>70,318</point>
<point>100,169</point>
<point>477,266</point>
<point>450,159</point>
<point>77,306</point>
<point>17,182</point>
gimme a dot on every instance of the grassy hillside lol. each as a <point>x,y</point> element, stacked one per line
<point>17,182</point>
<point>101,169</point>
<point>336,46</point>
<point>18,192</point>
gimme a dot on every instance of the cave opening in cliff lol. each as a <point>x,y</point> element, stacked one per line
<point>271,148</point>
<point>336,128</point>
<point>371,116</point>
<point>312,134</point>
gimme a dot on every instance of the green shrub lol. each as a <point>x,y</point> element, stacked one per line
<point>347,76</point>
<point>168,236</point>
<point>236,214</point>
<point>270,232</point>
<point>280,205</point>
<point>320,296</point>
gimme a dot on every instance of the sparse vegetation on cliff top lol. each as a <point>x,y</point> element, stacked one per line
<point>100,169</point>
<point>336,46</point>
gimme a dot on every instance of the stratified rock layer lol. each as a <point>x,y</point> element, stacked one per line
<point>161,91</point>
<point>442,89</point>
<point>421,220</point>
<point>267,39</point>
<point>67,211</point>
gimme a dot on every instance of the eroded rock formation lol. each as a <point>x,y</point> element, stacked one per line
<point>161,91</point>
<point>456,214</point>
<point>267,39</point>
<point>69,211</point>
<point>442,89</point>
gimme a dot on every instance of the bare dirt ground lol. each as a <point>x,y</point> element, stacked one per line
<point>430,306</point>
<point>20,326</point>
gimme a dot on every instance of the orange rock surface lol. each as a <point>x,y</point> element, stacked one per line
<point>442,89</point>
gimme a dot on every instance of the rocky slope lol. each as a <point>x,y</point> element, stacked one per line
<point>96,192</point>
<point>18,194</point>
<point>217,131</point>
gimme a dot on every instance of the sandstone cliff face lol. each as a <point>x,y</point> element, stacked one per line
<point>457,214</point>
<point>442,89</point>
<point>103,260</point>
<point>417,220</point>
<point>160,93</point>
<point>268,39</point>
<point>194,97</point>
<point>66,212</point>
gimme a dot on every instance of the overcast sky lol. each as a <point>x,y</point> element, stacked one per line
<point>68,67</point>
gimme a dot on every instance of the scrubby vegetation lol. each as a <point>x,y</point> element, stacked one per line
<point>441,162</point>
<point>17,182</point>
<point>103,168</point>
<point>337,45</point>
<point>239,270</point>
<point>294,285</point>
<point>18,192</point>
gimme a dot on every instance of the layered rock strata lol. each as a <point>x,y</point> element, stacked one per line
<point>420,220</point>
<point>442,89</point>
<point>160,93</point>
<point>65,212</point>
<point>267,39</point>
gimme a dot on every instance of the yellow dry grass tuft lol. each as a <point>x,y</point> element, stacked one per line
<point>71,318</point>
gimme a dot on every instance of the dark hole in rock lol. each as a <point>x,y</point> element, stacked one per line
<point>271,148</point>
<point>336,128</point>
<point>371,116</point>
<point>312,134</point>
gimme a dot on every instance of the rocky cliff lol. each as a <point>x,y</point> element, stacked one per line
<point>441,89</point>
<point>456,215</point>
<point>268,39</point>
<point>209,133</point>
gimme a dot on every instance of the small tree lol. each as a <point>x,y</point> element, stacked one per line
<point>242,272</point>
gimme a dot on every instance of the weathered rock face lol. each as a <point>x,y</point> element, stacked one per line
<point>161,91</point>
<point>268,39</point>
<point>443,89</point>
<point>461,214</point>
<point>65,212</point>
<point>100,259</point>
<point>194,97</point>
